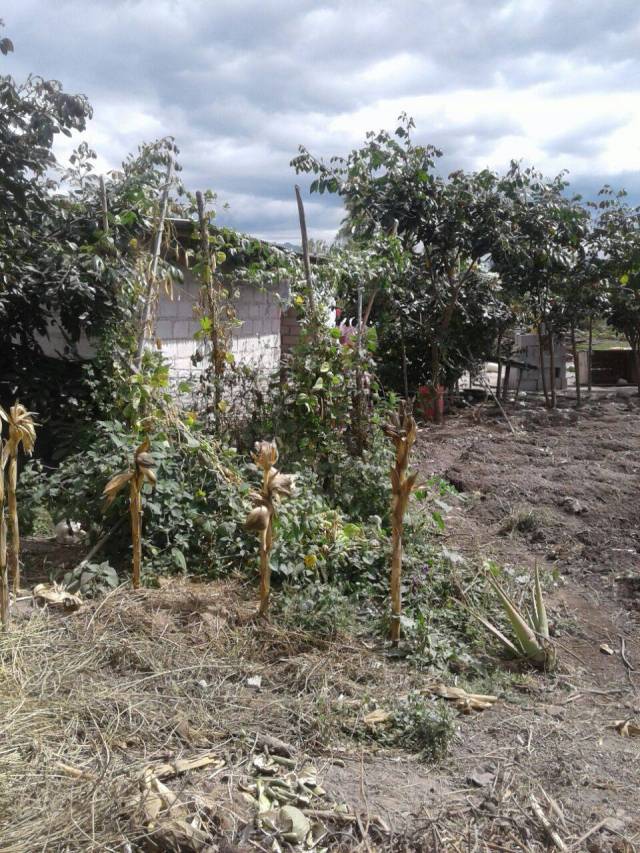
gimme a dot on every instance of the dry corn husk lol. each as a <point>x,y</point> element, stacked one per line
<point>627,728</point>
<point>22,432</point>
<point>143,465</point>
<point>275,485</point>
<point>54,595</point>
<point>464,701</point>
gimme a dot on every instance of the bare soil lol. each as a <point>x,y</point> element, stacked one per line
<point>90,701</point>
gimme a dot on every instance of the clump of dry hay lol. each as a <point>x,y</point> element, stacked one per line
<point>91,702</point>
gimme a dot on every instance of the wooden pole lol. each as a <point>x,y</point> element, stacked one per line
<point>148,308</point>
<point>552,368</point>
<point>499,378</point>
<point>542,370</point>
<point>305,255</point>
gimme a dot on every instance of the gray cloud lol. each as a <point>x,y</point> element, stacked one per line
<point>240,83</point>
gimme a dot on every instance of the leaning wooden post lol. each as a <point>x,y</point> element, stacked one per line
<point>142,471</point>
<point>260,519</point>
<point>402,432</point>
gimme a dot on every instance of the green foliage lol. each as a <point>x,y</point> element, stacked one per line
<point>424,725</point>
<point>317,542</point>
<point>320,609</point>
<point>91,579</point>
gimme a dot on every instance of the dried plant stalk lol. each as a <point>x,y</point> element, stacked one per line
<point>142,472</point>
<point>402,432</point>
<point>22,432</point>
<point>260,520</point>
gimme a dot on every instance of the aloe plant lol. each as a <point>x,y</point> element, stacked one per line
<point>531,631</point>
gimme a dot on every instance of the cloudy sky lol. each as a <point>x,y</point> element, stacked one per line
<point>240,83</point>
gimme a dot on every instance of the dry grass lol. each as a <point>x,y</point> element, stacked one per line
<point>89,701</point>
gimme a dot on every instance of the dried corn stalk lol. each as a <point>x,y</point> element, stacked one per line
<point>402,432</point>
<point>4,575</point>
<point>142,471</point>
<point>260,520</point>
<point>22,431</point>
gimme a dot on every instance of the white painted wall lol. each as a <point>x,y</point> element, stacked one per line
<point>255,341</point>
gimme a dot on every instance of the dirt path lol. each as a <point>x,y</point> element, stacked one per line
<point>562,494</point>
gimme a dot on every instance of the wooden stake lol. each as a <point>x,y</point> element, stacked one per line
<point>148,309</point>
<point>305,253</point>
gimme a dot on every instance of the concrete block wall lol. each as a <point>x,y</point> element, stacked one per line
<point>289,329</point>
<point>255,340</point>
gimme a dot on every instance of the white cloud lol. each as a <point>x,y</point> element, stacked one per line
<point>240,83</point>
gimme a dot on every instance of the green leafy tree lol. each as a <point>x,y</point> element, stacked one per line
<point>537,255</point>
<point>446,225</point>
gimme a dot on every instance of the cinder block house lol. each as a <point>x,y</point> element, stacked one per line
<point>266,323</point>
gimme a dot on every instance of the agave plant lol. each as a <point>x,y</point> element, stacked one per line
<point>22,432</point>
<point>402,432</point>
<point>531,641</point>
<point>260,520</point>
<point>141,472</point>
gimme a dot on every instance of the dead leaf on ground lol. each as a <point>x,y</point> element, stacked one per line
<point>54,595</point>
<point>376,717</point>
<point>606,649</point>
<point>626,728</point>
<point>464,701</point>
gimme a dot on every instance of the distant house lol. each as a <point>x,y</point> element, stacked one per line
<point>266,327</point>
<point>265,321</point>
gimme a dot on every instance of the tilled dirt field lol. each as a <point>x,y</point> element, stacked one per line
<point>99,709</point>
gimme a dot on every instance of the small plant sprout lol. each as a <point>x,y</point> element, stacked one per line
<point>142,472</point>
<point>402,432</point>
<point>531,641</point>
<point>260,520</point>
<point>22,431</point>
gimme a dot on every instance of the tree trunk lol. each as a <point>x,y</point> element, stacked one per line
<point>505,387</point>
<point>396,571</point>
<point>435,382</point>
<point>542,370</point>
<point>307,262</point>
<point>405,377</point>
<point>499,379</point>
<point>576,365</point>
<point>589,353</point>
<point>636,358</point>
<point>552,369</point>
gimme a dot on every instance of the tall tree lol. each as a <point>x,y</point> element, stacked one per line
<point>446,224</point>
